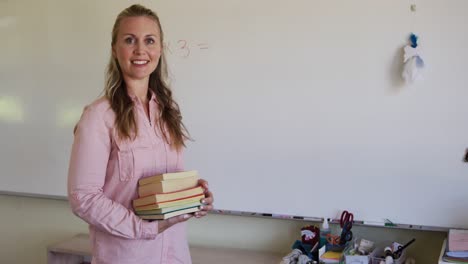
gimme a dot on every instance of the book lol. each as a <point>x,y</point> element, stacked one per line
<point>457,254</point>
<point>169,215</point>
<point>169,204</point>
<point>453,256</point>
<point>167,197</point>
<point>457,240</point>
<point>331,257</point>
<point>167,176</point>
<point>454,260</point>
<point>169,209</point>
<point>166,186</point>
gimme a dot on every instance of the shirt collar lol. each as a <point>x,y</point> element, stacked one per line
<point>136,99</point>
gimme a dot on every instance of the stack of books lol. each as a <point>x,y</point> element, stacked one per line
<point>167,195</point>
<point>457,246</point>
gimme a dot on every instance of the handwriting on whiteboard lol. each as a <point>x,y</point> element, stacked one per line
<point>183,48</point>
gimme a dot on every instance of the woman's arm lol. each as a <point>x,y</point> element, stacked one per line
<point>86,178</point>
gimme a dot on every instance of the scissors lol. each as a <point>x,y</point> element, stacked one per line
<point>346,223</point>
<point>346,217</point>
<point>400,249</point>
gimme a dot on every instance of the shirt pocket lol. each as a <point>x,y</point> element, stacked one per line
<point>126,164</point>
<point>131,156</point>
<point>125,159</point>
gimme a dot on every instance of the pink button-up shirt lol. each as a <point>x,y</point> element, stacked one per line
<point>103,179</point>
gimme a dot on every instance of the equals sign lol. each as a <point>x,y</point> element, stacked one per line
<point>203,46</point>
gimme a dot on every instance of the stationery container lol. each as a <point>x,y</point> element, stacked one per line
<point>358,259</point>
<point>380,252</point>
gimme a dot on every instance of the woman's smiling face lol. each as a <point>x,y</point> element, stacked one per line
<point>137,47</point>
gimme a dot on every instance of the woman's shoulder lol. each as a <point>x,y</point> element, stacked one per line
<point>100,108</point>
<point>101,104</point>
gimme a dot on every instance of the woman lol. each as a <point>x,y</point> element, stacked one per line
<point>134,131</point>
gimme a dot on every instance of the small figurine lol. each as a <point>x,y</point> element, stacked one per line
<point>413,62</point>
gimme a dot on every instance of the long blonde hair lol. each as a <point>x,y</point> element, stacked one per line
<point>170,123</point>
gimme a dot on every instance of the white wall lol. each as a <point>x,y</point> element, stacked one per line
<point>287,94</point>
<point>28,225</point>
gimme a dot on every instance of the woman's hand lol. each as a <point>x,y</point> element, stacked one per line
<point>207,205</point>
<point>165,224</point>
<point>207,202</point>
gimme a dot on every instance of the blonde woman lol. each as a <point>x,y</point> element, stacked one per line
<point>134,131</point>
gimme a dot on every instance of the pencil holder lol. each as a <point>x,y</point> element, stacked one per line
<point>380,252</point>
<point>350,256</point>
<point>336,248</point>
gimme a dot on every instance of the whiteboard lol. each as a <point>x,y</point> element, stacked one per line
<point>296,107</point>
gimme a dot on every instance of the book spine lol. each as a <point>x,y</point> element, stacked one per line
<point>155,200</point>
<point>167,186</point>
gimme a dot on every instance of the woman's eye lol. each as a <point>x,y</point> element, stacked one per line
<point>150,41</point>
<point>129,40</point>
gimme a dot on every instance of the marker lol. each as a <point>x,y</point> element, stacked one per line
<point>338,221</point>
<point>281,216</point>
<point>389,223</point>
<point>313,219</point>
<point>374,223</point>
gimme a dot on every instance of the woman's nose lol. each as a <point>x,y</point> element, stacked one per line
<point>139,48</point>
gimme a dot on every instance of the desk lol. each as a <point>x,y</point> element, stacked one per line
<point>77,249</point>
